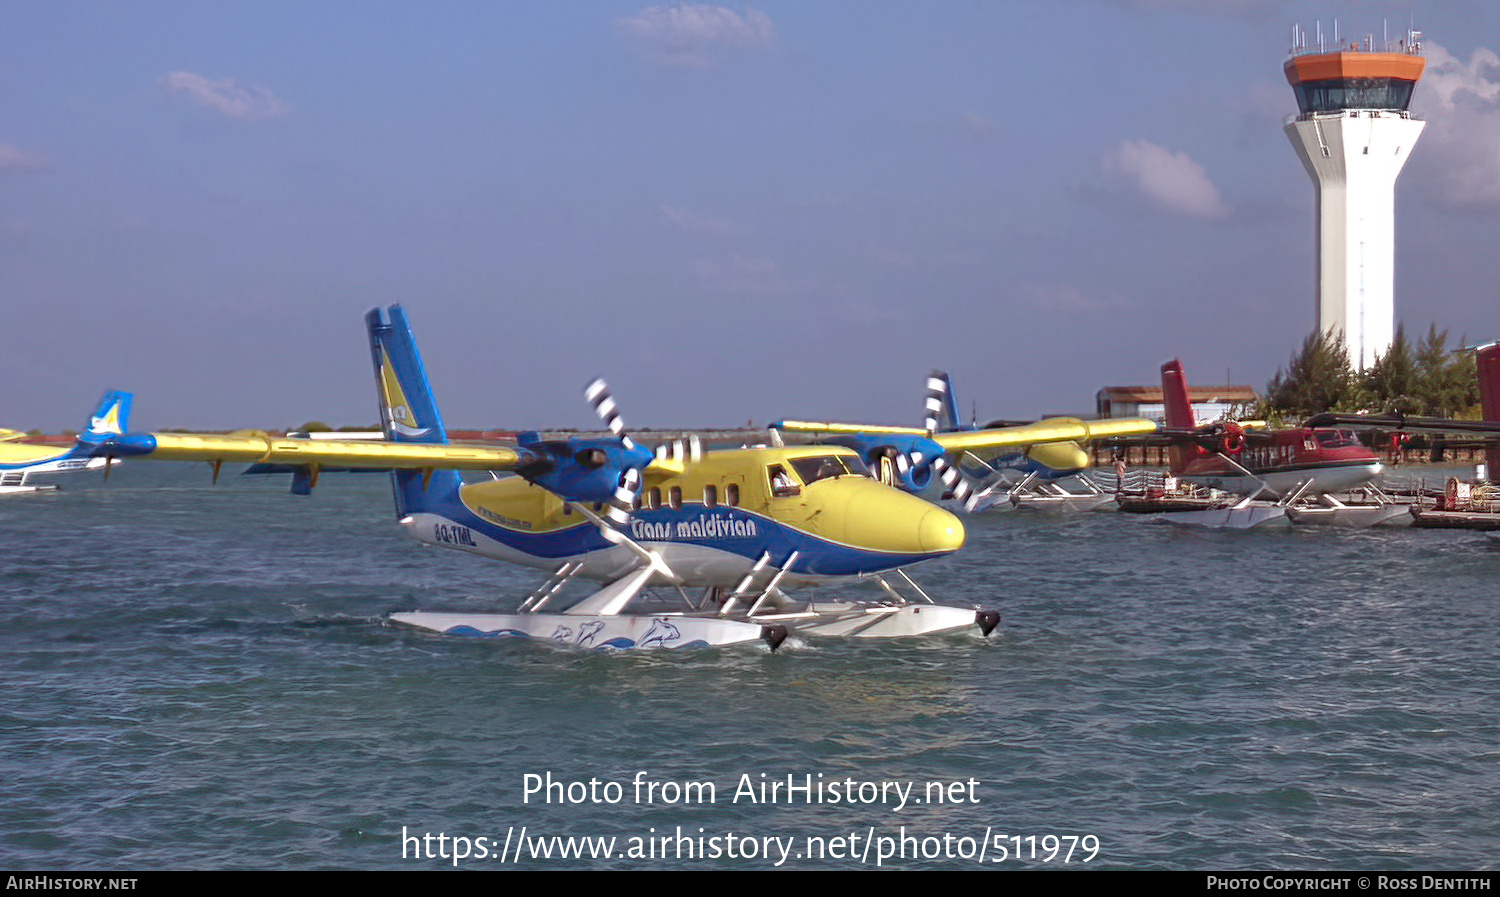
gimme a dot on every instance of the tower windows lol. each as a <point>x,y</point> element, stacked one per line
<point>1341,94</point>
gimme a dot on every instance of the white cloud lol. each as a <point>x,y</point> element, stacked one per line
<point>698,224</point>
<point>693,36</point>
<point>15,159</point>
<point>1461,144</point>
<point>248,102</point>
<point>1449,77</point>
<point>1172,182</point>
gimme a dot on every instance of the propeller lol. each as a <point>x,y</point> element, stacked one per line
<point>603,403</point>
<point>1226,436</point>
<point>953,479</point>
<point>628,492</point>
<point>681,450</point>
<point>906,460</point>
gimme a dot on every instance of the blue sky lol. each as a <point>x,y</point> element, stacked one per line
<point>733,213</point>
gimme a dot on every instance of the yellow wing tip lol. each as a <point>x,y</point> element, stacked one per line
<point>808,426</point>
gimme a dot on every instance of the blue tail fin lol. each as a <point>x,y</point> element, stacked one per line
<point>111,419</point>
<point>408,412</point>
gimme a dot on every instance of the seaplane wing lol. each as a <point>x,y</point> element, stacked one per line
<point>1059,429</point>
<point>834,429</point>
<point>261,448</point>
<point>1404,423</point>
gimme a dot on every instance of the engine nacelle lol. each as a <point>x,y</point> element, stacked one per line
<point>581,470</point>
<point>899,460</point>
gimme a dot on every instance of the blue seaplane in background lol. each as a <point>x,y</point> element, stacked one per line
<point>20,460</point>
<point>1001,464</point>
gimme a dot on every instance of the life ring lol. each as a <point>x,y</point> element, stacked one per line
<point>1234,438</point>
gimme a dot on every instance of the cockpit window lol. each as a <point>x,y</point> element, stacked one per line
<point>781,482</point>
<point>1336,438</point>
<point>822,467</point>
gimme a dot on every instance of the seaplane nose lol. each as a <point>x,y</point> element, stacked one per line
<point>886,519</point>
<point>940,531</point>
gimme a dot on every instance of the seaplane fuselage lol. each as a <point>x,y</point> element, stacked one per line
<point>709,524</point>
<point>1281,461</point>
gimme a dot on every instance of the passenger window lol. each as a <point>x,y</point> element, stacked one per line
<point>710,496</point>
<point>732,495</point>
<point>653,498</point>
<point>674,497</point>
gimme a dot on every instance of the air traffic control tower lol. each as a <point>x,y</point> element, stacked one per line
<point>1353,132</point>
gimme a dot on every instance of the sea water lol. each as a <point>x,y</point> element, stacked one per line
<point>201,677</point>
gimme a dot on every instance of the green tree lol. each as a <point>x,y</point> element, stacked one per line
<point>1447,382</point>
<point>1316,379</point>
<point>1392,385</point>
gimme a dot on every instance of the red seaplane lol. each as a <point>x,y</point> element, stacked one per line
<point>1258,462</point>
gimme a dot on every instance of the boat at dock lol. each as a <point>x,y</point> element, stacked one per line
<point>1462,505</point>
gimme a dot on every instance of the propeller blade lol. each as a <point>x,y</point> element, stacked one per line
<point>603,403</point>
<point>937,391</point>
<point>617,512</point>
<point>954,481</point>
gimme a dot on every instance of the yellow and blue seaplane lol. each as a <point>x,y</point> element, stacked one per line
<point>19,459</point>
<point>979,467</point>
<point>737,527</point>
